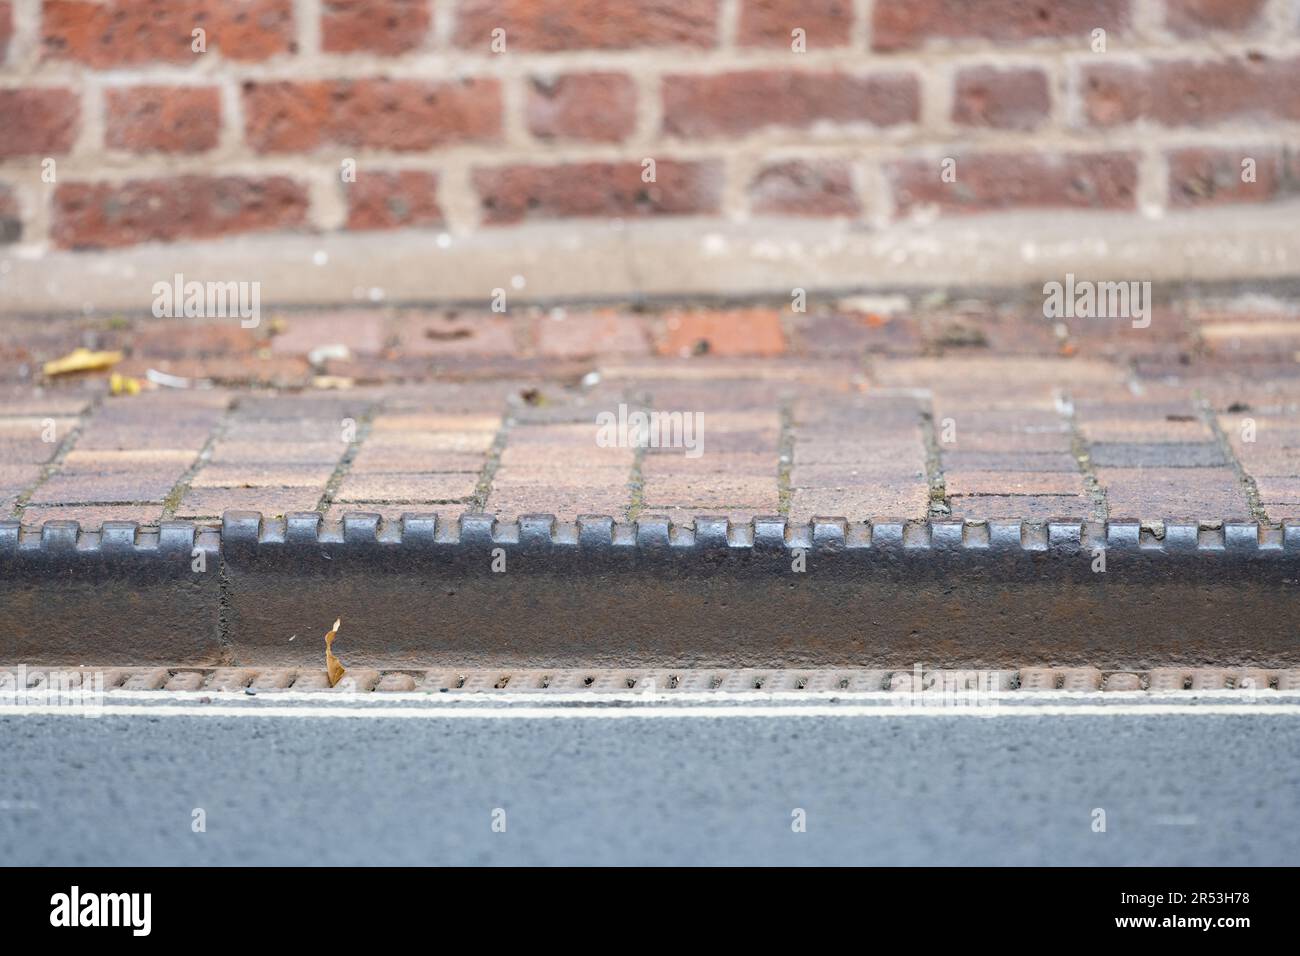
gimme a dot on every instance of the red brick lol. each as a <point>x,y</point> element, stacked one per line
<point>6,29</point>
<point>1205,177</point>
<point>742,332</point>
<point>101,215</point>
<point>1027,507</point>
<point>826,23</point>
<point>388,27</point>
<point>11,222</point>
<point>509,194</point>
<point>1186,93</point>
<point>599,107</point>
<point>399,115</point>
<point>583,335</point>
<point>909,24</point>
<point>212,502</point>
<point>394,200</point>
<point>732,104</point>
<point>164,119</point>
<point>38,122</point>
<point>1191,18</point>
<point>989,181</point>
<point>122,32</point>
<point>550,25</point>
<point>93,516</point>
<point>407,486</point>
<point>796,188</point>
<point>1001,99</point>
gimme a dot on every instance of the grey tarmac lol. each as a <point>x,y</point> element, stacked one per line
<point>414,779</point>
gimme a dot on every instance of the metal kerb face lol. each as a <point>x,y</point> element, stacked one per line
<point>473,590</point>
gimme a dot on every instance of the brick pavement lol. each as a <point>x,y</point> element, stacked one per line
<point>968,410</point>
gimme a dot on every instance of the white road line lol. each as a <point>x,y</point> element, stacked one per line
<point>688,697</point>
<point>742,711</point>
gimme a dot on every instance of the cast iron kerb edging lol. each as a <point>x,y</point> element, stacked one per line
<point>422,591</point>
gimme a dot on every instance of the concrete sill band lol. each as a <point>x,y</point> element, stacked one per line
<point>423,592</point>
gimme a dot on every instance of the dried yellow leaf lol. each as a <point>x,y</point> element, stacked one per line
<point>82,360</point>
<point>333,669</point>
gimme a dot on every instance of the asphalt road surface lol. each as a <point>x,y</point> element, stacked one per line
<point>319,781</point>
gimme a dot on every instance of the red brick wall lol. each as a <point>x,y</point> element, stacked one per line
<point>153,141</point>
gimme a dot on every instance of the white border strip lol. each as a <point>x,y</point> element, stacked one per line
<point>746,711</point>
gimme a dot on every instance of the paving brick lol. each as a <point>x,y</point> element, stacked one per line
<point>1162,455</point>
<point>92,516</point>
<point>666,490</point>
<point>1028,507</point>
<point>859,504</point>
<point>407,486</point>
<point>1011,483</point>
<point>580,335</point>
<point>106,487</point>
<point>419,334</point>
<point>749,332</point>
<point>565,505</point>
<point>1158,493</point>
<point>212,502</point>
<point>991,461</point>
<point>237,475</point>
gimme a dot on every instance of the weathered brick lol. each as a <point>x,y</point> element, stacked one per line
<point>769,23</point>
<point>551,25</point>
<point>421,335</point>
<point>910,24</point>
<point>1001,98</point>
<point>861,503</point>
<point>1009,181</point>
<point>1193,18</point>
<point>597,107</point>
<point>736,103</point>
<point>585,334</point>
<point>1012,483</point>
<point>271,502</point>
<point>798,188</point>
<point>1205,177</point>
<point>38,122</point>
<point>11,220</point>
<point>1160,493</point>
<point>92,516</point>
<point>509,194</point>
<point>1156,455</point>
<point>393,200</point>
<point>401,115</point>
<point>387,27</point>
<point>742,332</point>
<point>1192,93</point>
<point>164,119</point>
<point>103,215</point>
<point>1027,507</point>
<point>407,486</point>
<point>123,32</point>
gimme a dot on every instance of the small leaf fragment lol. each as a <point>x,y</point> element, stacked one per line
<point>334,671</point>
<point>81,360</point>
